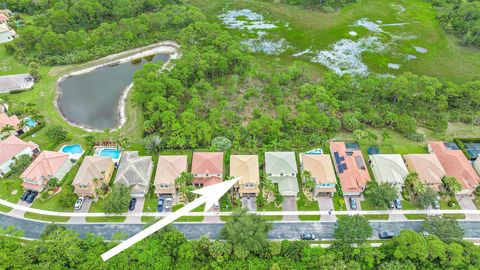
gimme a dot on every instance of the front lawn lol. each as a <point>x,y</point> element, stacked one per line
<point>189,218</point>
<point>6,190</point>
<point>105,219</point>
<point>150,205</point>
<point>270,207</point>
<point>45,217</point>
<point>304,204</point>
<point>410,206</point>
<point>444,206</point>
<point>367,205</point>
<point>338,202</point>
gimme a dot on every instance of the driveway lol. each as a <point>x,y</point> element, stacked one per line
<point>289,204</point>
<point>325,203</point>
<point>138,209</point>
<point>466,203</point>
<point>249,203</point>
<point>358,199</point>
<point>212,219</point>
<point>85,207</point>
<point>20,213</point>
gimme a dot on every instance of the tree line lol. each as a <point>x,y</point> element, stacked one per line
<point>87,29</point>
<point>215,89</point>
<point>243,244</point>
<point>462,18</point>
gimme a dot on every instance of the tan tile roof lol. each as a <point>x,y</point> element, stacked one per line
<point>46,164</point>
<point>456,164</point>
<point>246,167</point>
<point>169,169</point>
<point>320,167</point>
<point>428,167</point>
<point>12,146</point>
<point>91,168</point>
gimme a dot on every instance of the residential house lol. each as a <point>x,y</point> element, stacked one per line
<point>476,165</point>
<point>92,174</point>
<point>321,172</point>
<point>350,167</point>
<point>135,171</point>
<point>3,18</point>
<point>207,168</point>
<point>246,167</point>
<point>281,169</point>
<point>456,164</point>
<point>6,12</point>
<point>169,168</point>
<point>11,148</point>
<point>389,168</point>
<point>6,34</point>
<point>428,168</point>
<point>12,121</point>
<point>46,166</point>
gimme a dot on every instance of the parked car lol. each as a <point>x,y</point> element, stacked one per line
<point>436,204</point>
<point>168,203</point>
<point>391,205</point>
<point>307,236</point>
<point>398,203</point>
<point>353,203</point>
<point>131,205</point>
<point>31,197</point>
<point>25,195</point>
<point>216,206</point>
<point>386,235</point>
<point>160,204</point>
<point>79,203</point>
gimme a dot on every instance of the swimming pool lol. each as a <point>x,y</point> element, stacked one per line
<point>29,122</point>
<point>72,149</point>
<point>109,152</point>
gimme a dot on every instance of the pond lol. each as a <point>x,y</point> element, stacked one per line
<point>92,99</point>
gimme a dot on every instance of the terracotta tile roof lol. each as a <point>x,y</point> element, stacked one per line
<point>455,164</point>
<point>246,167</point>
<point>12,146</point>
<point>46,164</point>
<point>354,176</point>
<point>428,167</point>
<point>169,169</point>
<point>9,120</point>
<point>3,18</point>
<point>207,163</point>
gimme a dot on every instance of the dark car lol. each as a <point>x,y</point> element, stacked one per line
<point>25,195</point>
<point>353,203</point>
<point>307,236</point>
<point>31,197</point>
<point>131,206</point>
<point>391,205</point>
<point>386,235</point>
<point>160,204</point>
<point>398,203</point>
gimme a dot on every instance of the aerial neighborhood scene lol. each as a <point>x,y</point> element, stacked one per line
<point>234,134</point>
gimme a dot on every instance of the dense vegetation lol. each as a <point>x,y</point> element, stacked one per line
<point>60,248</point>
<point>65,32</point>
<point>462,18</point>
<point>213,90</point>
<point>323,5</point>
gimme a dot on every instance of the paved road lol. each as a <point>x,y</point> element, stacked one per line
<point>466,203</point>
<point>85,208</point>
<point>281,230</point>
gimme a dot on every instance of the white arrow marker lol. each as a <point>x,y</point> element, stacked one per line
<point>209,196</point>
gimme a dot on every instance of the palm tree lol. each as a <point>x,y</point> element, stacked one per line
<point>22,124</point>
<point>359,134</point>
<point>385,135</point>
<point>8,183</point>
<point>8,128</point>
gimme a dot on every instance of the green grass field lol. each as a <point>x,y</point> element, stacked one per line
<point>46,218</point>
<point>304,204</point>
<point>105,219</point>
<point>7,190</point>
<point>445,59</point>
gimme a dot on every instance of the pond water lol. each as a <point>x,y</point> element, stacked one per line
<point>92,99</point>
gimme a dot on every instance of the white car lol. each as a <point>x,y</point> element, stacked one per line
<point>79,203</point>
<point>216,205</point>
<point>168,203</point>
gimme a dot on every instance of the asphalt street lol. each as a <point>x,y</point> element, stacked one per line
<point>281,230</point>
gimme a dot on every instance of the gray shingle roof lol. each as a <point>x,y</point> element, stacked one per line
<point>134,170</point>
<point>280,163</point>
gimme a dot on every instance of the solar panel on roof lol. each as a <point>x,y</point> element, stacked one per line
<point>337,157</point>
<point>344,166</point>
<point>339,167</point>
<point>342,158</point>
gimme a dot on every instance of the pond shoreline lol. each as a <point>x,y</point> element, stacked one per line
<point>166,47</point>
